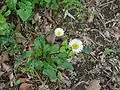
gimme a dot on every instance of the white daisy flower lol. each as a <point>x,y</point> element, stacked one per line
<point>59,32</point>
<point>77,45</point>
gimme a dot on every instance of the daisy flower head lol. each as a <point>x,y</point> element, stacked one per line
<point>59,32</point>
<point>77,45</point>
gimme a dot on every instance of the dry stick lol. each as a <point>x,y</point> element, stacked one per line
<point>99,15</point>
<point>39,77</point>
<point>112,20</point>
<point>106,3</point>
<point>103,22</point>
<point>102,35</point>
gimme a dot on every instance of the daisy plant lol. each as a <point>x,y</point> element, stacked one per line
<point>76,45</point>
<point>59,32</point>
<point>45,58</point>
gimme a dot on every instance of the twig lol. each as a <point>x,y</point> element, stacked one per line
<point>102,35</point>
<point>111,21</point>
<point>106,3</point>
<point>39,77</point>
<point>101,18</point>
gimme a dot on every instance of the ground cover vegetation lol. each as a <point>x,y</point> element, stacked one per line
<point>59,44</point>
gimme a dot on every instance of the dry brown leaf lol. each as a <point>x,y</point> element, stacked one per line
<point>116,34</point>
<point>25,86</point>
<point>6,67</point>
<point>50,38</point>
<point>5,57</point>
<point>1,73</point>
<point>94,85</point>
<point>107,33</point>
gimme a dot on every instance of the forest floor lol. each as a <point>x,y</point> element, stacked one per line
<point>100,33</point>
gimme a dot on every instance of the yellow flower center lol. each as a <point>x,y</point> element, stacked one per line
<point>59,32</point>
<point>75,46</point>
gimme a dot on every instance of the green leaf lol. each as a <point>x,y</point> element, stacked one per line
<point>89,49</point>
<point>50,72</point>
<point>17,82</point>
<point>38,65</point>
<point>22,5</point>
<point>26,54</point>
<point>7,13</point>
<point>3,25</point>
<point>25,11</point>
<point>47,89</point>
<point>65,42</point>
<point>35,64</point>
<point>92,59</point>
<point>2,19</point>
<point>107,51</point>
<point>54,48</point>
<point>4,29</point>
<point>47,48</point>
<point>62,55</point>
<point>11,4</point>
<point>66,65</point>
<point>54,5</point>
<point>24,14</point>
<point>57,60</point>
<point>70,53</point>
<point>62,49</point>
<point>39,42</point>
<point>48,1</point>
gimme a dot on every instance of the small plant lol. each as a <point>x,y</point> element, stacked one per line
<point>25,11</point>
<point>48,59</point>
<point>11,4</point>
<point>4,28</point>
<point>53,4</point>
<point>7,41</point>
<point>76,7</point>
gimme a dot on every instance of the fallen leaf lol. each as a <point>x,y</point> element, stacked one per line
<point>94,85</point>
<point>50,38</point>
<point>115,32</point>
<point>1,73</point>
<point>6,67</point>
<point>107,34</point>
<point>25,86</point>
<point>5,57</point>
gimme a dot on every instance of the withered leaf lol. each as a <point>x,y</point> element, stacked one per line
<point>25,86</point>
<point>50,38</point>
<point>94,85</point>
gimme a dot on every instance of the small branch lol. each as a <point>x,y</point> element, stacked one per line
<point>39,77</point>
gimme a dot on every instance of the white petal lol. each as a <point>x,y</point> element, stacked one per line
<point>59,29</point>
<point>79,42</point>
